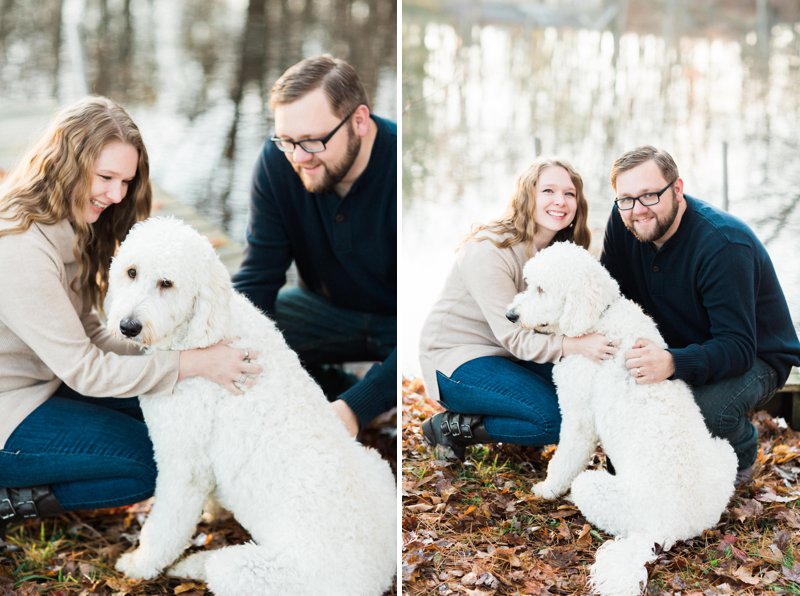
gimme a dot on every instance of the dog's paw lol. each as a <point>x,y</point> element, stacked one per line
<point>192,567</point>
<point>135,565</point>
<point>543,490</point>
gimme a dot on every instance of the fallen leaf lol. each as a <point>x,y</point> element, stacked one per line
<point>745,575</point>
<point>419,508</point>
<point>749,508</point>
<point>584,537</point>
<point>792,574</point>
<point>188,587</point>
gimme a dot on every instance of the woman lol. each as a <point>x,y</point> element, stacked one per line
<point>63,212</point>
<point>493,377</point>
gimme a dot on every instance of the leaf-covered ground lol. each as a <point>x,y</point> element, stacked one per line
<point>75,553</point>
<point>477,529</point>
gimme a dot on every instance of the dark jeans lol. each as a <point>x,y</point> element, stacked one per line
<point>323,334</point>
<point>93,452</point>
<point>517,399</point>
<point>726,407</point>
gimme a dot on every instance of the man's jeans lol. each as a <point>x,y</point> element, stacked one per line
<point>93,452</point>
<point>517,399</point>
<point>726,407</point>
<point>324,334</point>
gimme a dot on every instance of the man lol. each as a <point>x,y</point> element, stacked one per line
<point>710,286</point>
<point>324,195</point>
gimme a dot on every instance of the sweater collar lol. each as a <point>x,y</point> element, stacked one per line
<point>374,167</point>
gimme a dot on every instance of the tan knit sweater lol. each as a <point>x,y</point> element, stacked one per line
<point>469,319</point>
<point>48,334</point>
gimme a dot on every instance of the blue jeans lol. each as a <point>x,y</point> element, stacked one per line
<point>726,407</point>
<point>93,452</point>
<point>324,334</point>
<point>517,399</point>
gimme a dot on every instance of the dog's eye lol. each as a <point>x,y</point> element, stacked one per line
<point>539,290</point>
<point>165,284</point>
<point>132,273</point>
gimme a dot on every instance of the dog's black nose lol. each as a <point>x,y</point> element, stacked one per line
<point>512,316</point>
<point>130,327</point>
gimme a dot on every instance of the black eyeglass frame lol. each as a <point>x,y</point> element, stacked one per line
<point>640,198</point>
<point>324,140</point>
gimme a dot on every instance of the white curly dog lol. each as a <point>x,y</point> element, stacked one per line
<point>673,479</point>
<point>320,507</point>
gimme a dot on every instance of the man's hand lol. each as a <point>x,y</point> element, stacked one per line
<point>346,415</point>
<point>648,362</point>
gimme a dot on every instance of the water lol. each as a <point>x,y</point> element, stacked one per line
<point>194,74</point>
<point>485,83</point>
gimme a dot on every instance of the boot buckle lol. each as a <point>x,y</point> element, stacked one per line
<point>6,509</point>
<point>27,509</point>
<point>451,427</point>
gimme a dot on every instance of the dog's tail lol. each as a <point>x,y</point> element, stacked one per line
<point>619,568</point>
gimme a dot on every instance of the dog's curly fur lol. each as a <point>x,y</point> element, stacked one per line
<point>673,479</point>
<point>320,507</point>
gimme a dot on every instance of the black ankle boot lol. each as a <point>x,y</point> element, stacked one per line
<point>455,431</point>
<point>19,504</point>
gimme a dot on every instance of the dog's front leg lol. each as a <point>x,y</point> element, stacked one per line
<point>578,437</point>
<point>180,494</point>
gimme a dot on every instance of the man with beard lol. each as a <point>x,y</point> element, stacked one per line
<point>324,196</point>
<point>709,283</point>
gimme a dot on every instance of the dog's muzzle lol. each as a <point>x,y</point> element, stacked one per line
<point>512,316</point>
<point>130,327</point>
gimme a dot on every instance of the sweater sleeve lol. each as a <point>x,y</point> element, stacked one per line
<point>267,253</point>
<point>489,275</point>
<point>727,285</point>
<point>35,306</point>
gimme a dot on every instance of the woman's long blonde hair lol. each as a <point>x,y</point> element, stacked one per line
<point>518,226</point>
<point>53,182</point>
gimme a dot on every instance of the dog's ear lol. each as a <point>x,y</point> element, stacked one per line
<point>211,306</point>
<point>586,301</point>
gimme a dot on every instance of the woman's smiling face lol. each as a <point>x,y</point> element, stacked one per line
<point>112,173</point>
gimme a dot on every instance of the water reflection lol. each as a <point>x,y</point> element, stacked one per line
<point>195,74</point>
<point>486,87</point>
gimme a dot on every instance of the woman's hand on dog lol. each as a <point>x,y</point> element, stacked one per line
<point>648,362</point>
<point>595,346</point>
<point>233,368</point>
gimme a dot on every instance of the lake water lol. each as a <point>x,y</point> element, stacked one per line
<point>194,74</point>
<point>488,86</point>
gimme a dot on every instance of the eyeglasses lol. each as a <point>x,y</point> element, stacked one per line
<point>309,145</point>
<point>648,199</point>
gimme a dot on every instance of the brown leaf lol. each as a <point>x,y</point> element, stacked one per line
<point>727,541</point>
<point>584,537</point>
<point>770,496</point>
<point>782,540</point>
<point>750,508</point>
<point>419,508</point>
<point>188,587</point>
<point>771,554</point>
<point>563,531</point>
<point>783,453</point>
<point>745,575</point>
<point>792,574</point>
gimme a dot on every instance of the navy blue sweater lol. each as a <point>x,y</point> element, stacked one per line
<point>712,291</point>
<point>345,248</point>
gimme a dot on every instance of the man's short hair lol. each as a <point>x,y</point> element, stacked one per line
<point>638,156</point>
<point>337,78</point>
